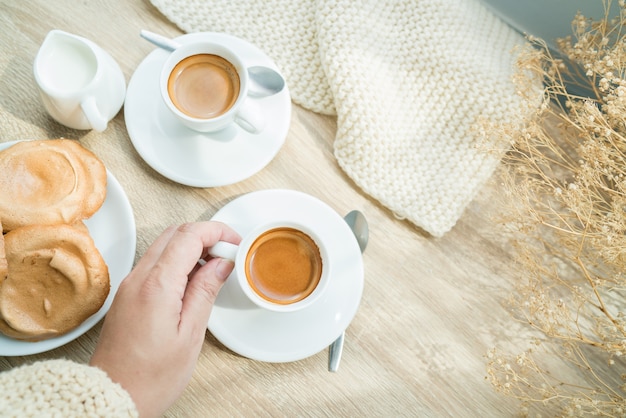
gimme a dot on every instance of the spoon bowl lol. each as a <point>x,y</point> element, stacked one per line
<point>358,224</point>
<point>264,81</point>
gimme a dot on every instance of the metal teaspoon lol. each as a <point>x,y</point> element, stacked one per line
<point>263,80</point>
<point>358,224</point>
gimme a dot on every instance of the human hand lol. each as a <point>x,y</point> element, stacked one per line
<point>153,333</point>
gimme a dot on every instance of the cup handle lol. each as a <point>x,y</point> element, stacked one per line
<point>93,115</point>
<point>225,250</point>
<point>249,117</point>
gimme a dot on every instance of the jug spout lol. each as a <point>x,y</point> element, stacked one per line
<point>57,35</point>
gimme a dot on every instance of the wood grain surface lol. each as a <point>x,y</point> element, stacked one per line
<point>431,308</point>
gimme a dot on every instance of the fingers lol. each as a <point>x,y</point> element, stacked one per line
<point>206,280</point>
<point>190,241</point>
<point>152,254</point>
<point>169,272</point>
<point>201,293</point>
<point>178,249</point>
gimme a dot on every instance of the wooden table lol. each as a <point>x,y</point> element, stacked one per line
<point>431,308</point>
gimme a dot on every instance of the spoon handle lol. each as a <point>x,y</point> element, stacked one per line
<point>334,353</point>
<point>357,223</point>
<point>159,40</point>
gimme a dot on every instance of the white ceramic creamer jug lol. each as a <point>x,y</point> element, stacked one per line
<point>81,85</point>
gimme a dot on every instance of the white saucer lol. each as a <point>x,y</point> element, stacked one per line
<point>201,159</point>
<point>281,337</point>
<point>113,231</point>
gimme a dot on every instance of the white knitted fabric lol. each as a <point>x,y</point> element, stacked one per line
<point>62,388</point>
<point>408,80</point>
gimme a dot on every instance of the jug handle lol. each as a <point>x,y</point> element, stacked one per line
<point>93,115</point>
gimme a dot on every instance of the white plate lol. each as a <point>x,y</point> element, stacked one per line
<point>201,159</point>
<point>113,231</point>
<point>281,337</point>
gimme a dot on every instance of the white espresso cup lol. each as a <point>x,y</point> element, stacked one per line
<point>81,85</point>
<point>280,266</point>
<point>205,85</point>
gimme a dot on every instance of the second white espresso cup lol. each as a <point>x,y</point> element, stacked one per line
<point>280,266</point>
<point>205,85</point>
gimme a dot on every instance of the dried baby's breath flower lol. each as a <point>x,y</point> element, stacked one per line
<point>565,178</point>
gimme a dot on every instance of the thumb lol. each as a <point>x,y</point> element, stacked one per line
<point>201,292</point>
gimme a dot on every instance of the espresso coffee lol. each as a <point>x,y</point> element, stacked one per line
<point>283,265</point>
<point>203,86</point>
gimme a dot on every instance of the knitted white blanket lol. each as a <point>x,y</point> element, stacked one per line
<point>407,79</point>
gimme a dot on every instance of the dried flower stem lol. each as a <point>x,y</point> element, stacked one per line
<point>566,181</point>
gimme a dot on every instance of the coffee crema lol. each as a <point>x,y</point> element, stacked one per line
<point>203,86</point>
<point>283,265</point>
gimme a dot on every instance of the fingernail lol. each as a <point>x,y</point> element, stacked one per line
<point>224,268</point>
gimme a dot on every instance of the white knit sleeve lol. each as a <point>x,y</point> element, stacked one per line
<point>62,388</point>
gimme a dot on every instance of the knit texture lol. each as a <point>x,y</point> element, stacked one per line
<point>407,79</point>
<point>62,388</point>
